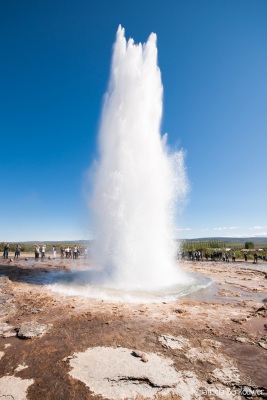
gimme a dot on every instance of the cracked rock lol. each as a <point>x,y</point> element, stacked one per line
<point>226,375</point>
<point>244,340</point>
<point>6,330</point>
<point>30,330</point>
<point>172,342</point>
<point>263,342</point>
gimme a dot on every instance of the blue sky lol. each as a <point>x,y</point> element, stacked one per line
<point>54,70</point>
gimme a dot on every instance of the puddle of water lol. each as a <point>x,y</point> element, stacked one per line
<point>86,283</point>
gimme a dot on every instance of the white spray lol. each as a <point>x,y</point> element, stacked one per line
<point>137,183</point>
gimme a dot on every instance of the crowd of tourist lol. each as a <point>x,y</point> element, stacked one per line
<point>199,256</point>
<point>216,256</point>
<point>40,252</point>
<point>75,252</point>
<point>68,252</point>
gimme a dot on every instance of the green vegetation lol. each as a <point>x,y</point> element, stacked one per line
<point>193,245</point>
<point>249,245</point>
<point>206,247</point>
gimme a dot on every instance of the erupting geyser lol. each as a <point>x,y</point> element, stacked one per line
<point>137,182</point>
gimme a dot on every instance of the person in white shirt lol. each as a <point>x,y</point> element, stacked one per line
<point>67,252</point>
<point>43,251</point>
<point>54,251</point>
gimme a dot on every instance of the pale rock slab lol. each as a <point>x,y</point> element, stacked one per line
<point>30,330</point>
<point>117,374</point>
<point>13,388</point>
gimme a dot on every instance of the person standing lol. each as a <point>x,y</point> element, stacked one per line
<point>17,251</point>
<point>37,252</point>
<point>6,250</point>
<point>246,256</point>
<point>75,252</point>
<point>43,251</point>
<point>67,252</point>
<point>233,256</point>
<point>54,251</point>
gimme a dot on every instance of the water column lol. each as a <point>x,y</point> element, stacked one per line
<point>137,182</point>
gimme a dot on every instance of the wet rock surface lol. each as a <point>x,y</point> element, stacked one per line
<point>211,344</point>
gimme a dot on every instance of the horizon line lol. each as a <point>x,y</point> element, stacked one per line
<point>178,239</point>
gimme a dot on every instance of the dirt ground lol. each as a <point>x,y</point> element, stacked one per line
<point>214,340</point>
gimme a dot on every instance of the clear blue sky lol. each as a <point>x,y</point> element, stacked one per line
<point>54,69</point>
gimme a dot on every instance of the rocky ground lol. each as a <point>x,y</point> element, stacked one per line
<point>211,344</point>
